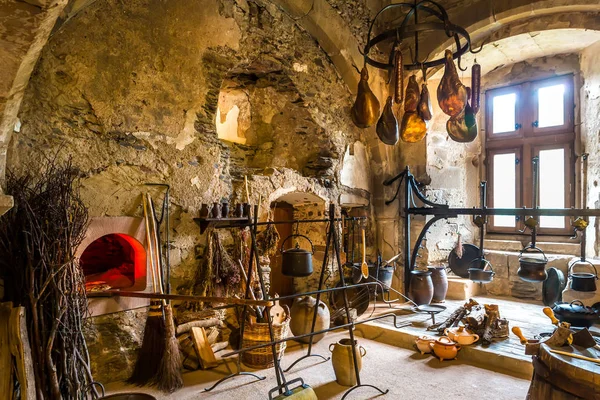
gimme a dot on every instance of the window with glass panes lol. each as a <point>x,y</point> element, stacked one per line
<point>524,121</point>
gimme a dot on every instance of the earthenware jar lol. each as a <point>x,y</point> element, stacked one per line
<point>461,335</point>
<point>444,348</point>
<point>225,210</point>
<point>422,343</point>
<point>216,210</point>
<point>421,287</point>
<point>343,363</point>
<point>204,211</point>
<point>302,314</point>
<point>440,283</point>
<point>239,210</point>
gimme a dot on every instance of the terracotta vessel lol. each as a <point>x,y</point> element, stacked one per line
<point>422,343</point>
<point>439,277</point>
<point>444,348</point>
<point>421,287</point>
<point>462,336</point>
<point>343,363</point>
<point>302,314</point>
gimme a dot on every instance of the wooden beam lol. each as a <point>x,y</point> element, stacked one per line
<point>21,351</point>
<point>206,299</point>
<point>6,375</point>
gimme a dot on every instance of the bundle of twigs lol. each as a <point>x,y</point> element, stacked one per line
<point>38,238</point>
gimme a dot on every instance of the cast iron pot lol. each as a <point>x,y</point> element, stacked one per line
<point>480,273</point>
<point>576,314</point>
<point>532,268</point>
<point>297,262</point>
<point>583,281</point>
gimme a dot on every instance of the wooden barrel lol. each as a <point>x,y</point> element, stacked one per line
<point>560,377</point>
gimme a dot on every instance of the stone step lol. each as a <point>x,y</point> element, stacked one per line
<point>514,364</point>
<point>461,289</point>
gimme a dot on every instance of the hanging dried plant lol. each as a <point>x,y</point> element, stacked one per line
<point>267,241</point>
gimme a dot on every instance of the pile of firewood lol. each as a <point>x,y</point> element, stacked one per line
<point>199,335</point>
<point>482,319</point>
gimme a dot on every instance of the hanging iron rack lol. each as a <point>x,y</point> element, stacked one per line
<point>332,243</point>
<point>442,211</point>
<point>436,19</point>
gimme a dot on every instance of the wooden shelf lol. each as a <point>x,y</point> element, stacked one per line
<point>204,223</point>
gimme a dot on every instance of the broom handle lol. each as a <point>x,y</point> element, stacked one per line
<point>154,246</point>
<point>149,241</point>
<point>207,299</point>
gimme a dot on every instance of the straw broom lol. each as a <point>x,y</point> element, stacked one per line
<point>168,377</point>
<point>153,343</point>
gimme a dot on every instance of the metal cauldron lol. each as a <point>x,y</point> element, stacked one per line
<point>297,262</point>
<point>117,396</point>
<point>480,273</point>
<point>583,281</point>
<point>532,265</point>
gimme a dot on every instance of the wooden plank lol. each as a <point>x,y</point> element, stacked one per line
<point>21,351</point>
<point>206,299</point>
<point>6,375</point>
<point>207,356</point>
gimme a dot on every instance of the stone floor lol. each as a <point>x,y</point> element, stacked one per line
<point>406,373</point>
<point>499,371</point>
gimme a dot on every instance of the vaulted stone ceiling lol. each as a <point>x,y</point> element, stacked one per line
<point>339,26</point>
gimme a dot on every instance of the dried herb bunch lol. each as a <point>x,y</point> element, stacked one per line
<point>267,240</point>
<point>38,239</point>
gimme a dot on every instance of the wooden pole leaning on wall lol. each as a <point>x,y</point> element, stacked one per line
<point>15,349</point>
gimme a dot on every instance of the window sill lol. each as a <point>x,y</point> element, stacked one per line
<point>548,244</point>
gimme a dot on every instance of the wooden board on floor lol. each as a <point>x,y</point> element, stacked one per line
<point>6,381</point>
<point>207,357</point>
<point>21,351</point>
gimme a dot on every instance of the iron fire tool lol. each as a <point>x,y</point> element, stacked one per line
<point>332,241</point>
<point>443,211</point>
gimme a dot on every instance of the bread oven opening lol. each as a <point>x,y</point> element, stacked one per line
<point>113,261</point>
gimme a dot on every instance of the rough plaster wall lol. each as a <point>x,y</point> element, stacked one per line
<point>590,135</point>
<point>142,107</point>
<point>454,180</point>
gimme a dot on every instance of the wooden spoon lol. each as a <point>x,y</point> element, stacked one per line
<point>550,314</point>
<point>364,267</point>
<point>517,331</point>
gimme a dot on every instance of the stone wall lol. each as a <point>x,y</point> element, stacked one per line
<point>142,107</point>
<point>590,136</point>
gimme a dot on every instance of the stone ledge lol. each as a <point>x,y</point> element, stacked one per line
<point>513,364</point>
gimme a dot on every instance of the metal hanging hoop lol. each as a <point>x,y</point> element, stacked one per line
<point>405,31</point>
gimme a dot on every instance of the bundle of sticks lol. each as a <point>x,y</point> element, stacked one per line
<point>482,319</point>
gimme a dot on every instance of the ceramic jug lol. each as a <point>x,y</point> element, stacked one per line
<point>343,363</point>
<point>302,314</point>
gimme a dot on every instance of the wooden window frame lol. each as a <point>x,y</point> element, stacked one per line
<point>518,167</point>
<point>529,139</point>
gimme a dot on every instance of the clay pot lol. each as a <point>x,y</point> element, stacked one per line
<point>422,343</point>
<point>204,211</point>
<point>216,210</point>
<point>461,335</point>
<point>444,348</point>
<point>302,314</point>
<point>421,287</point>
<point>440,283</point>
<point>343,363</point>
